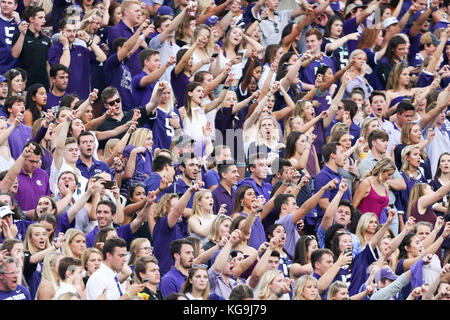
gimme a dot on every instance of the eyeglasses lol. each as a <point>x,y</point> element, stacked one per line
<point>11,273</point>
<point>113,102</point>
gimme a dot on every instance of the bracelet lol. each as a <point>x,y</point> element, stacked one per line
<point>129,295</point>
<point>259,210</point>
<point>66,48</point>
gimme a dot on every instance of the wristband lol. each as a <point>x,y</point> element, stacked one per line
<point>66,48</point>
<point>259,210</point>
<point>89,43</point>
<point>129,295</point>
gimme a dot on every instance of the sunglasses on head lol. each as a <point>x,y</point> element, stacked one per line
<point>113,102</point>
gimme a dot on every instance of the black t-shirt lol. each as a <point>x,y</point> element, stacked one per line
<point>33,57</point>
<point>110,124</point>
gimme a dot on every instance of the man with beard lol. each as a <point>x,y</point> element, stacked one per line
<point>59,79</point>
<point>77,58</point>
<point>30,46</point>
<point>117,71</point>
<point>87,164</point>
<point>182,252</point>
<point>190,168</point>
<point>9,289</point>
<point>104,281</point>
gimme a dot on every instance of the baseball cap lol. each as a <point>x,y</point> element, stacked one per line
<point>2,78</point>
<point>389,22</point>
<point>211,20</point>
<point>429,38</point>
<point>385,273</point>
<point>183,139</point>
<point>164,10</point>
<point>4,211</point>
<point>353,6</point>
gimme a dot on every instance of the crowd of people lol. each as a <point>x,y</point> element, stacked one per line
<point>224,150</point>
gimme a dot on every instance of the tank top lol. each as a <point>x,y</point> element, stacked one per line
<point>373,202</point>
<point>428,216</point>
<point>194,129</point>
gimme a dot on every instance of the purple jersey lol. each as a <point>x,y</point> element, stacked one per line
<point>163,132</point>
<point>339,56</point>
<point>7,29</point>
<point>308,74</point>
<point>118,75</point>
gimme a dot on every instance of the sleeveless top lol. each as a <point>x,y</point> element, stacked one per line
<point>373,202</point>
<point>428,216</point>
<point>194,129</point>
<point>204,222</point>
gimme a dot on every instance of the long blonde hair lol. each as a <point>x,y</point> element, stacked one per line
<point>139,136</point>
<point>405,152</point>
<point>134,248</point>
<point>163,206</point>
<point>209,48</point>
<point>275,135</point>
<point>172,99</point>
<point>383,165</point>
<point>416,192</point>
<point>69,235</point>
<point>300,286</point>
<point>266,280</point>
<point>28,244</point>
<point>197,197</point>
<point>362,226</point>
<point>47,269</point>
<point>214,232</point>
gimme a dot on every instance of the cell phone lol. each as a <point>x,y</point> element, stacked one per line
<point>347,250</point>
<point>214,55</point>
<point>109,184</point>
<point>241,54</point>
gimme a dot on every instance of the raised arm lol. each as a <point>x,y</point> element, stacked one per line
<point>329,214</point>
<point>143,214</point>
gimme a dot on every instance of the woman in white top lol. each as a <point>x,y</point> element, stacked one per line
<point>193,114</point>
<point>199,224</point>
<point>233,51</point>
<point>6,160</point>
<point>205,46</point>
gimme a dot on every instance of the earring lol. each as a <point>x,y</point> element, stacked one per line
<point>242,203</point>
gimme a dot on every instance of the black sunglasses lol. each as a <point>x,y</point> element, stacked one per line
<point>113,102</point>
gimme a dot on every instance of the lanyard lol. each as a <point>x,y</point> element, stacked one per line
<point>118,285</point>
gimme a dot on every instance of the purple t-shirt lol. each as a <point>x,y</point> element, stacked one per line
<point>179,84</point>
<point>21,293</point>
<point>141,95</point>
<point>17,139</point>
<point>163,236</point>
<point>118,75</point>
<point>121,30</point>
<point>31,189</point>
<point>123,232</point>
<point>53,101</point>
<point>80,66</point>
<point>171,282</point>
<point>257,235</point>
